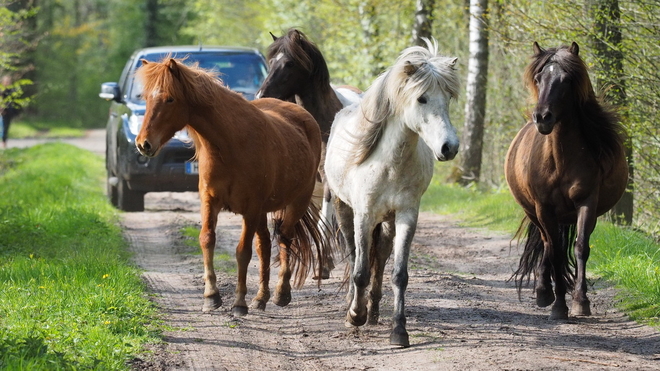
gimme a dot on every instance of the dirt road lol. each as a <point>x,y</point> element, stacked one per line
<point>462,314</point>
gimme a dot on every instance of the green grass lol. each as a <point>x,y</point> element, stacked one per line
<point>22,130</point>
<point>629,259</point>
<point>70,298</point>
<point>222,260</point>
<point>493,209</point>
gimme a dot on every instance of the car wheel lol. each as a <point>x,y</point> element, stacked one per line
<point>111,183</point>
<point>128,200</point>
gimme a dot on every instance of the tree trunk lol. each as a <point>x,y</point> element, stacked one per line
<point>607,38</point>
<point>475,105</point>
<point>151,23</point>
<point>423,27</point>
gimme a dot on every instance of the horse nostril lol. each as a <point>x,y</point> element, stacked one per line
<point>445,150</point>
<point>146,146</point>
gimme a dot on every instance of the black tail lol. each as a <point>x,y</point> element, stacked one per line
<point>533,253</point>
<point>307,232</point>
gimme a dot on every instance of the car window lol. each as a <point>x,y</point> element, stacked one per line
<point>241,72</point>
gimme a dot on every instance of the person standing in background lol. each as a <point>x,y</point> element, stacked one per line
<point>8,107</point>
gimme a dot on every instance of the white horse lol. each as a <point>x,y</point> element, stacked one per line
<point>378,169</point>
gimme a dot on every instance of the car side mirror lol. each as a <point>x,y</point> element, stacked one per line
<point>110,91</point>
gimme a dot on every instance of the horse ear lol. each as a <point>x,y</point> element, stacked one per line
<point>273,36</point>
<point>144,61</point>
<point>537,49</point>
<point>174,67</point>
<point>574,48</point>
<point>410,68</point>
<point>452,63</point>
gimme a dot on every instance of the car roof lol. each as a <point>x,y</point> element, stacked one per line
<point>195,48</point>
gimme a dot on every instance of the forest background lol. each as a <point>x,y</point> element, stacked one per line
<point>60,51</point>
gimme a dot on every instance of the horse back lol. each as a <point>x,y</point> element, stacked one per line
<point>290,120</point>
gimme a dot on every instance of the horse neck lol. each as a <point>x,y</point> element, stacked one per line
<point>397,142</point>
<point>219,126</point>
<point>322,103</point>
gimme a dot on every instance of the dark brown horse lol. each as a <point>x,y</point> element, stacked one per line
<point>254,158</point>
<point>298,73</point>
<point>565,168</point>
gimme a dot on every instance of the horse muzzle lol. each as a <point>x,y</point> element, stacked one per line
<point>146,148</point>
<point>447,152</point>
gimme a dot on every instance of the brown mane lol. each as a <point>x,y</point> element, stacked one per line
<point>599,122</point>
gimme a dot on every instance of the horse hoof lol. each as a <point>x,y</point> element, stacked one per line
<point>239,311</point>
<point>399,338</point>
<point>355,319</point>
<point>544,298</point>
<point>282,300</point>
<point>212,302</point>
<point>259,305</point>
<point>558,314</point>
<point>581,308</point>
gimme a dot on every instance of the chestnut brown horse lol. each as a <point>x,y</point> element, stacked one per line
<point>254,158</point>
<point>565,168</point>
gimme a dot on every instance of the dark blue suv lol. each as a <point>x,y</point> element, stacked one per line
<point>131,175</point>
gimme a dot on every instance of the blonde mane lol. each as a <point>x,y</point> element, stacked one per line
<point>416,71</point>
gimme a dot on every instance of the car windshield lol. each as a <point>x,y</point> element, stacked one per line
<point>243,72</point>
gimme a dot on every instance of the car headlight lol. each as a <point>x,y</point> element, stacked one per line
<point>135,123</point>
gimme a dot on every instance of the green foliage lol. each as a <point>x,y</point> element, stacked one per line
<point>70,298</point>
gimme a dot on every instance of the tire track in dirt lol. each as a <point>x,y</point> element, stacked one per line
<point>462,314</point>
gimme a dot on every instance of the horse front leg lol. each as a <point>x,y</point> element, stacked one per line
<point>383,247</point>
<point>357,311</point>
<point>586,223</point>
<point>554,254</point>
<point>264,253</point>
<point>243,257</point>
<point>207,239</point>
<point>538,236</point>
<point>405,224</point>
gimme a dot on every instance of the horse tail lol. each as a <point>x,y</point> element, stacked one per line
<point>309,235</point>
<point>533,253</point>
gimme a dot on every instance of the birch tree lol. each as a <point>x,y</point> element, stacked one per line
<point>475,105</point>
<point>422,27</point>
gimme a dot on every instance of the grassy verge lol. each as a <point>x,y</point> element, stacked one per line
<point>70,299</point>
<point>627,258</point>
<point>21,130</point>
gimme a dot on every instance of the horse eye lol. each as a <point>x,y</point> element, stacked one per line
<point>422,100</point>
<point>169,100</point>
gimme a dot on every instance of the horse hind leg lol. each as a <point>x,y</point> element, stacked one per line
<point>327,216</point>
<point>264,253</point>
<point>383,241</point>
<point>285,230</point>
